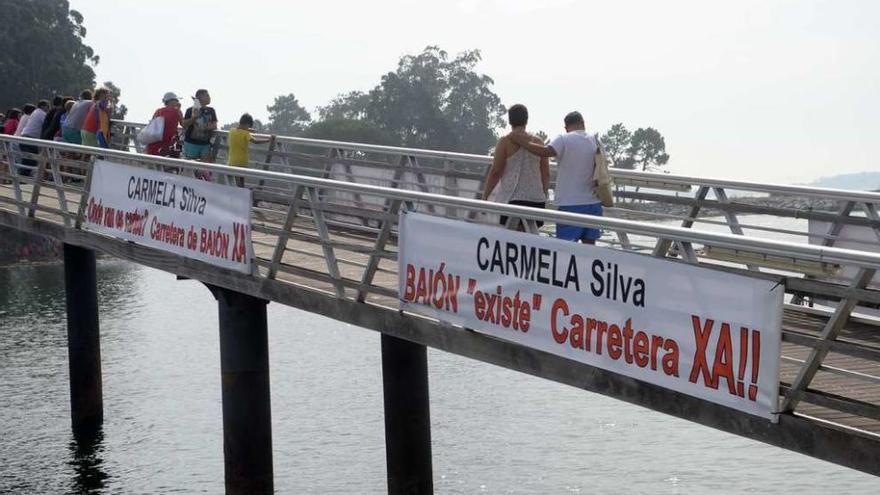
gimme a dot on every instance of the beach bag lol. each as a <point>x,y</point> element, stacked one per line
<point>153,132</point>
<point>601,177</point>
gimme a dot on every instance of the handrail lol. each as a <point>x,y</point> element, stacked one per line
<point>808,252</point>
<point>816,192</point>
<point>375,148</point>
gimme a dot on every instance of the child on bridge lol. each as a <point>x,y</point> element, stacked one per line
<point>239,139</point>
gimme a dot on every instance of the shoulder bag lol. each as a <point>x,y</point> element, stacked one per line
<point>602,182</point>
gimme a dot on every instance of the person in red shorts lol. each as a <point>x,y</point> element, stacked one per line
<point>173,117</point>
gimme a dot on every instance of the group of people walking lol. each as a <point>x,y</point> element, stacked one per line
<point>520,173</point>
<point>199,123</point>
<point>84,120</point>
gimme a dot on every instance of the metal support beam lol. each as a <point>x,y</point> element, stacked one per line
<point>378,250</point>
<point>732,220</point>
<point>834,230</point>
<point>244,368</point>
<point>12,162</point>
<point>623,237</point>
<point>84,198</point>
<point>54,157</point>
<point>37,178</point>
<point>663,245</point>
<point>324,235</point>
<point>267,159</point>
<point>829,333</point>
<point>407,418</point>
<point>83,340</point>
<point>871,213</point>
<point>281,246</point>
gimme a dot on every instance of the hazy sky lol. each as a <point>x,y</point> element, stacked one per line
<point>782,91</point>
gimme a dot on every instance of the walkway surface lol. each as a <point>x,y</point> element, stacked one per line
<point>304,264</point>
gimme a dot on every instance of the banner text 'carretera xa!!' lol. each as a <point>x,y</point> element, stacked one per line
<point>698,331</point>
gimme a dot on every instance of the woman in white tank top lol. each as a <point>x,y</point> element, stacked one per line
<point>517,176</point>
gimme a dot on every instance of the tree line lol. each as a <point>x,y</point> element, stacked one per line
<point>44,54</point>
<point>431,100</point>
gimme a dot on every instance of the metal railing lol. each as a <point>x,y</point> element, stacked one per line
<point>338,237</point>
<point>739,207</point>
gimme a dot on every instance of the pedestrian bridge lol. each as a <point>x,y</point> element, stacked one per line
<point>324,222</point>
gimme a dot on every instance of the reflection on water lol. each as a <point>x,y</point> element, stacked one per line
<point>493,430</point>
<point>85,459</point>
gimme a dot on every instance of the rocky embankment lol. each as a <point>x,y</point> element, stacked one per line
<point>17,247</point>
<point>651,210</point>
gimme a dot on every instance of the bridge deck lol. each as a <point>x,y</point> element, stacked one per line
<point>837,418</point>
<point>304,264</point>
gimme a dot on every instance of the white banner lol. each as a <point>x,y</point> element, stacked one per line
<point>193,218</point>
<point>858,237</point>
<point>702,332</point>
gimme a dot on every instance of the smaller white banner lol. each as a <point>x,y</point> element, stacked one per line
<point>858,237</point>
<point>193,218</point>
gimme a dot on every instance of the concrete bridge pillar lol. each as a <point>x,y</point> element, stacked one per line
<point>83,340</point>
<point>244,368</point>
<point>407,418</point>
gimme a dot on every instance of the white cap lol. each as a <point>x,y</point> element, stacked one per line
<point>169,96</point>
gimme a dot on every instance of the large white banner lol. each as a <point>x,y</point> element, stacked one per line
<point>702,332</point>
<point>193,218</point>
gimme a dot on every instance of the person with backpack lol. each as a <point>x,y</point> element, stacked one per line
<point>96,126</point>
<point>71,130</point>
<point>200,122</point>
<point>52,123</point>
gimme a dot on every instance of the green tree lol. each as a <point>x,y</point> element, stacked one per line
<point>617,142</point>
<point>430,101</point>
<point>350,130</point>
<point>648,148</point>
<point>43,51</point>
<point>119,110</point>
<point>349,106</point>
<point>258,126</point>
<point>287,117</point>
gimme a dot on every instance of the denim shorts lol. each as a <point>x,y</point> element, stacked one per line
<point>71,135</point>
<point>574,232</point>
<point>195,151</point>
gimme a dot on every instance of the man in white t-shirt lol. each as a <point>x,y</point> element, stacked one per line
<point>575,162</point>
<point>33,129</point>
<point>34,126</point>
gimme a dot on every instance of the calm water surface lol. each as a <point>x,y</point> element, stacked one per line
<point>494,430</point>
